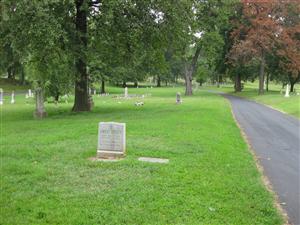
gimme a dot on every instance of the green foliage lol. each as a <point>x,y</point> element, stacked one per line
<point>38,33</point>
<point>203,73</point>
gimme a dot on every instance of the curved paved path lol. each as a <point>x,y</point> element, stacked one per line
<point>275,139</point>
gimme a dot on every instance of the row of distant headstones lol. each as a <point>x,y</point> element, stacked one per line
<point>31,95</point>
<point>12,101</point>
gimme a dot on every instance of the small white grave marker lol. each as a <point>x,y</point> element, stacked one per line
<point>111,140</point>
<point>287,94</point>
<point>1,96</point>
<point>12,101</point>
<point>126,92</point>
<point>178,98</point>
<point>139,103</point>
<point>65,98</point>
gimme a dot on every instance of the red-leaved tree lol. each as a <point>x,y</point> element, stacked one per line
<point>263,27</point>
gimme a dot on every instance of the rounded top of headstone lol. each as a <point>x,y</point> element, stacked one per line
<point>114,123</point>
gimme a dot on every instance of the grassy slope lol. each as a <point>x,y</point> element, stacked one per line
<point>272,98</point>
<point>46,177</point>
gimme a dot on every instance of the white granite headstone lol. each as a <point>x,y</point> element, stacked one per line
<point>111,140</point>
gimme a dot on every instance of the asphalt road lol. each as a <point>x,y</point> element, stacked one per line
<point>275,139</point>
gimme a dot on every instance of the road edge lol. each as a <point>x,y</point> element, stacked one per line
<point>264,104</point>
<point>265,180</point>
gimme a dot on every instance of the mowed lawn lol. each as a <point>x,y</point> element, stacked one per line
<point>47,177</point>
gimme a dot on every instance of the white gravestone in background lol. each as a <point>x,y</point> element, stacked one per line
<point>126,92</point>
<point>29,93</point>
<point>1,96</point>
<point>287,94</point>
<point>111,140</point>
<point>178,98</point>
<point>12,101</point>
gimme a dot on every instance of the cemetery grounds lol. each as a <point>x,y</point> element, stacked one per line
<point>212,178</point>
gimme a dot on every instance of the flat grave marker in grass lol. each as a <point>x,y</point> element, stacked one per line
<point>153,160</point>
<point>111,140</point>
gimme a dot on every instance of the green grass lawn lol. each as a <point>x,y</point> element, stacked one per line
<point>273,97</point>
<point>46,177</point>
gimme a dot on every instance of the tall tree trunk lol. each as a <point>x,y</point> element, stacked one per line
<point>81,102</point>
<point>238,84</point>
<point>102,91</point>
<point>293,81</point>
<point>267,82</point>
<point>218,80</point>
<point>22,77</point>
<point>56,98</point>
<point>124,84</point>
<point>10,73</point>
<point>188,81</point>
<point>292,87</point>
<point>189,72</point>
<point>261,75</point>
<point>135,84</point>
<point>158,81</point>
